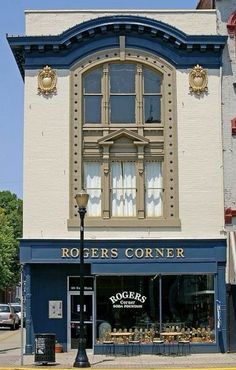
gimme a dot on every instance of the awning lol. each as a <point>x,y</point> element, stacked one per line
<point>231,258</point>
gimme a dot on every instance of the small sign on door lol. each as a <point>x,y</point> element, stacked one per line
<point>55,309</point>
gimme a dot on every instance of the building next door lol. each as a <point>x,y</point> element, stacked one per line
<point>74,309</point>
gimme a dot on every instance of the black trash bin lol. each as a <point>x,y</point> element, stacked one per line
<point>45,348</point>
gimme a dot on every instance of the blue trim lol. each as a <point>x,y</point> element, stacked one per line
<point>161,39</point>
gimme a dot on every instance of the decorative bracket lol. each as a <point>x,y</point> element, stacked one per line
<point>233,126</point>
<point>229,214</point>
<point>198,80</point>
<point>47,80</point>
<point>231,25</point>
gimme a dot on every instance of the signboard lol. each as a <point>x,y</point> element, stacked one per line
<point>55,309</point>
<point>218,314</point>
<point>127,299</point>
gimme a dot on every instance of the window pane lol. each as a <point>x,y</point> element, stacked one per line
<point>188,303</point>
<point>153,186</point>
<point>122,78</point>
<point>92,81</point>
<point>92,109</point>
<point>123,189</point>
<point>152,81</point>
<point>138,315</point>
<point>122,109</point>
<point>92,183</point>
<point>152,109</point>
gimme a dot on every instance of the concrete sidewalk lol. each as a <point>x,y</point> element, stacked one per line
<point>13,359</point>
<point>10,357</point>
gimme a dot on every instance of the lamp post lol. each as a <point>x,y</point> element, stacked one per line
<point>81,359</point>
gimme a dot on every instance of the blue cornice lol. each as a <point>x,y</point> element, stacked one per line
<point>62,51</point>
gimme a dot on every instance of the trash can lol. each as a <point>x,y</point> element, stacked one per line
<point>45,348</point>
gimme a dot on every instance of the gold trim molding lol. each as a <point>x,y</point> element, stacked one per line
<point>47,80</point>
<point>198,80</point>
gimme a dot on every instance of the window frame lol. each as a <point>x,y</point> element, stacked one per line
<point>152,141</point>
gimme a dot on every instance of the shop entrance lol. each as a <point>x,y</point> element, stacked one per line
<point>74,320</point>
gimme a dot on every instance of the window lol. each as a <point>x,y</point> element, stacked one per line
<point>147,305</point>
<point>124,140</point>
<point>123,189</point>
<point>128,88</point>
<point>92,183</point>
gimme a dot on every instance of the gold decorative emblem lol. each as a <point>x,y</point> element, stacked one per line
<point>47,80</point>
<point>198,80</point>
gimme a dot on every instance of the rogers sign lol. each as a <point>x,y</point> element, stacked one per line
<point>127,299</point>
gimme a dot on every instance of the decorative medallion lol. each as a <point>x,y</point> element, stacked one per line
<point>198,80</point>
<point>47,80</point>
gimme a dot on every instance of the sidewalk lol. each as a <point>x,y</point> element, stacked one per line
<point>66,360</point>
<point>10,357</point>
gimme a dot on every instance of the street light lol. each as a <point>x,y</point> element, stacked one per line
<point>81,359</point>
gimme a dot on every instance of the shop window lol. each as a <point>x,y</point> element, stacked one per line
<point>133,305</point>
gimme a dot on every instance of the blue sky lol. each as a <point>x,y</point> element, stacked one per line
<point>11,84</point>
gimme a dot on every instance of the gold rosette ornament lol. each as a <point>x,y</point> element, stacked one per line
<point>198,80</point>
<point>47,80</point>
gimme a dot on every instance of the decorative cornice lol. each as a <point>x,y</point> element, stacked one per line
<point>103,32</point>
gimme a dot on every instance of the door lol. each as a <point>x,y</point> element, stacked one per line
<point>74,310</point>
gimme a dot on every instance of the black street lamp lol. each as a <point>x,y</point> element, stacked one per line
<point>81,359</point>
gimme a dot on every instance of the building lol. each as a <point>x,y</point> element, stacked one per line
<point>126,104</point>
<point>226,25</point>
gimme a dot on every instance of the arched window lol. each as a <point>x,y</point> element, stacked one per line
<point>123,141</point>
<point>124,88</point>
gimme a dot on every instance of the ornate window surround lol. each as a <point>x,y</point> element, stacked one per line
<point>152,142</point>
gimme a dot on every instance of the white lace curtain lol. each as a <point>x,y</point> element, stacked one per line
<point>153,187</point>
<point>123,189</point>
<point>92,184</point>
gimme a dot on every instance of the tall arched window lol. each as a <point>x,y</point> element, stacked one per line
<point>124,141</point>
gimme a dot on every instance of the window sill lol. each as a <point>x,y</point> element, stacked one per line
<point>125,222</point>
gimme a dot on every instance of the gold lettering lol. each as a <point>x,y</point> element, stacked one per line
<point>139,253</point>
<point>74,252</point>
<point>104,252</point>
<point>179,252</point>
<point>169,252</point>
<point>86,253</point>
<point>65,253</point>
<point>114,253</point>
<point>159,252</point>
<point>127,253</point>
<point>148,253</point>
<point>94,253</point>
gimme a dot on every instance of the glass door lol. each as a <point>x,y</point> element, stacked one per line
<point>74,310</point>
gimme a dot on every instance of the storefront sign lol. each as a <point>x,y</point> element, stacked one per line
<point>218,313</point>
<point>127,299</point>
<point>128,253</point>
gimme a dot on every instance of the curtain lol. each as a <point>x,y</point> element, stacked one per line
<point>92,183</point>
<point>123,189</point>
<point>153,187</point>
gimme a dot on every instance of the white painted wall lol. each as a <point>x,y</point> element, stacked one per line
<point>46,22</point>
<point>46,164</point>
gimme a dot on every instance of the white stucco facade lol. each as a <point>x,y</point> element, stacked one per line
<point>52,22</point>
<point>47,144</point>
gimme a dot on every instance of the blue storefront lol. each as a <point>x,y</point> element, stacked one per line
<point>143,287</point>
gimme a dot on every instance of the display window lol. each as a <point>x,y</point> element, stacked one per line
<point>144,307</point>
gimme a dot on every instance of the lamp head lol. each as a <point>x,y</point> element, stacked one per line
<point>82,199</point>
